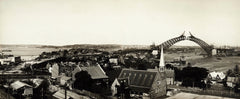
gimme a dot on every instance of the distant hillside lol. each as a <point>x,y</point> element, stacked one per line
<point>98,46</point>
<point>91,46</point>
<point>109,47</point>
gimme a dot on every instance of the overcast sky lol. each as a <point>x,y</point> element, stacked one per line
<point>61,22</point>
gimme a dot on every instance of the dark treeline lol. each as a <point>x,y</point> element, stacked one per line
<point>190,76</point>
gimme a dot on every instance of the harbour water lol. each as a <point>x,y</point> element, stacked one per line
<point>26,53</point>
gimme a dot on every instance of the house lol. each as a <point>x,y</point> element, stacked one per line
<point>54,70</point>
<point>216,76</point>
<point>37,82</point>
<point>170,76</point>
<point>154,52</point>
<point>5,61</point>
<point>70,95</point>
<point>144,83</point>
<point>116,83</point>
<point>17,59</point>
<point>21,88</point>
<point>48,65</point>
<point>232,81</point>
<point>64,80</point>
<point>113,61</point>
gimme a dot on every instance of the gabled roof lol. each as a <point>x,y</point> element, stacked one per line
<point>121,80</point>
<point>37,82</point>
<point>96,72</point>
<point>139,80</point>
<point>17,85</point>
<point>65,78</point>
<point>214,74</point>
<point>155,52</point>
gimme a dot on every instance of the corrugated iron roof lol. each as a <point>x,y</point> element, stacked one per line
<point>17,84</point>
<point>140,80</point>
<point>95,72</point>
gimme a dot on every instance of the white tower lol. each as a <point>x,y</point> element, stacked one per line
<point>161,63</point>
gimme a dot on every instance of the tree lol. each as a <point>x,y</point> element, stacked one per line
<point>229,72</point>
<point>83,81</point>
<point>236,69</point>
<point>189,65</point>
<point>169,66</point>
<point>178,74</point>
<point>194,76</point>
<point>208,83</point>
<point>142,64</point>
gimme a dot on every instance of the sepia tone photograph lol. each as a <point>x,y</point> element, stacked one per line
<point>119,49</point>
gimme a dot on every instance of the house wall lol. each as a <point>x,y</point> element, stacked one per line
<point>230,84</point>
<point>113,60</point>
<point>231,81</point>
<point>113,87</point>
<point>170,81</point>
<point>159,86</point>
<point>28,91</point>
<point>55,71</point>
<point>62,81</point>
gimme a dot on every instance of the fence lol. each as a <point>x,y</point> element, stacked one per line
<point>222,93</point>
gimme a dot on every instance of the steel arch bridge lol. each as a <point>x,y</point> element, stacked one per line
<point>206,47</point>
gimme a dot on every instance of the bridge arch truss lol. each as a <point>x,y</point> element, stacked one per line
<point>206,47</point>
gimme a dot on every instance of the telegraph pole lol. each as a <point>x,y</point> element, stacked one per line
<point>65,90</point>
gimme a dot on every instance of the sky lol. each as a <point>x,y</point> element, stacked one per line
<point>141,22</point>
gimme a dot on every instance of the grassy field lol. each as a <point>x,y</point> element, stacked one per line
<point>217,64</point>
<point>211,63</point>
